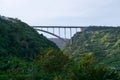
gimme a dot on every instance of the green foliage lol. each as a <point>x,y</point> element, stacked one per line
<point>21,40</point>
<point>50,63</point>
<point>103,42</point>
<point>117,44</point>
<point>86,69</point>
<point>19,45</point>
<point>26,55</point>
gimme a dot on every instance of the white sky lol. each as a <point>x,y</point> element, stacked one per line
<point>63,12</point>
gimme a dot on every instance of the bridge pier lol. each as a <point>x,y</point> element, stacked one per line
<point>65,33</point>
<point>59,31</point>
<point>47,29</point>
<point>53,31</point>
<point>70,36</point>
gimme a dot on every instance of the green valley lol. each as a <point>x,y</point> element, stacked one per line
<point>27,55</point>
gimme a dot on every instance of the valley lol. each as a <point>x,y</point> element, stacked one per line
<point>27,55</point>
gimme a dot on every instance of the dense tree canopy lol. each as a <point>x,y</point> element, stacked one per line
<point>103,42</point>
<point>27,55</point>
<point>19,39</point>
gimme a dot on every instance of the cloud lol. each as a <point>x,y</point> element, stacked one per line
<point>49,8</point>
<point>41,12</point>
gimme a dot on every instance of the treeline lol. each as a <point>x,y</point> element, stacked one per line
<point>20,40</point>
<point>26,55</point>
<point>102,28</point>
<point>54,65</point>
<point>103,42</point>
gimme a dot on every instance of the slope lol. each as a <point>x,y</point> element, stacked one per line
<point>103,42</point>
<point>19,39</point>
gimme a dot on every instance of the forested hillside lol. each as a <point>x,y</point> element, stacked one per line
<point>103,42</point>
<point>19,46</point>
<point>27,55</point>
<point>19,39</point>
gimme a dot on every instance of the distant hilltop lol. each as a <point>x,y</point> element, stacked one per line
<point>9,19</point>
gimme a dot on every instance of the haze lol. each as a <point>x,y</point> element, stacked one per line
<point>63,12</point>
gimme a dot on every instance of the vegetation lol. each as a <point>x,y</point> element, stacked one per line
<point>19,45</point>
<point>26,55</point>
<point>20,40</point>
<point>103,42</point>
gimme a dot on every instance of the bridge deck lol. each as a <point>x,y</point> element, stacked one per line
<point>60,26</point>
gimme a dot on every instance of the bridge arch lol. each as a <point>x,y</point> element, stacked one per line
<point>64,32</point>
<point>51,34</point>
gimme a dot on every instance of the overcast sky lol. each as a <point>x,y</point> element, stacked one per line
<point>63,12</point>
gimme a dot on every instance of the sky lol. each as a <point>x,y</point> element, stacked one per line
<point>63,12</point>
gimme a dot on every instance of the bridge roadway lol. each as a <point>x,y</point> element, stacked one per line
<point>60,26</point>
<point>65,27</point>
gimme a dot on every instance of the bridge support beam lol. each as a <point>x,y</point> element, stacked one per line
<point>70,36</point>
<point>47,29</point>
<point>59,31</point>
<point>65,33</point>
<point>53,31</point>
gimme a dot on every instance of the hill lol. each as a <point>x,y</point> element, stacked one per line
<point>26,55</point>
<point>20,40</point>
<point>103,42</point>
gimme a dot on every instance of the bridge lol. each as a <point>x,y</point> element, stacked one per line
<point>58,30</point>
